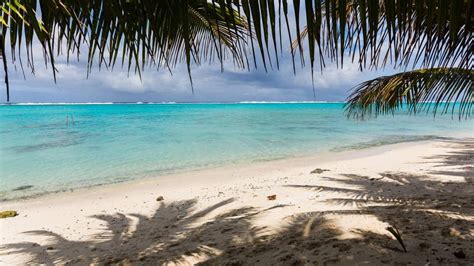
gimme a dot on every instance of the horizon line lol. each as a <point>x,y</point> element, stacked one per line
<point>168,102</point>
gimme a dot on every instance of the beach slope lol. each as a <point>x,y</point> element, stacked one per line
<point>331,208</point>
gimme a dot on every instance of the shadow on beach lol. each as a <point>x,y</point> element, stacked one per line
<point>435,220</point>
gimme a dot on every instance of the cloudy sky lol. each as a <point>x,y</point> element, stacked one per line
<point>210,84</point>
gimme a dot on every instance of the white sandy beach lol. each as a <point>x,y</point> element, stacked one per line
<point>223,216</point>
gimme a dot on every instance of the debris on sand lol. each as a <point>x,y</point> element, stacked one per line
<point>394,231</point>
<point>318,171</point>
<point>450,231</point>
<point>8,214</point>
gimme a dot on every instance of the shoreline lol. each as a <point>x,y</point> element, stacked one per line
<point>223,215</point>
<point>182,174</point>
<point>338,152</point>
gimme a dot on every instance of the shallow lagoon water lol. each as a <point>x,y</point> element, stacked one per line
<point>62,147</point>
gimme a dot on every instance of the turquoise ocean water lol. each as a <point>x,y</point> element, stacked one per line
<point>62,147</point>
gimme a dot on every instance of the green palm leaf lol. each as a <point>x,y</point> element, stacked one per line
<point>419,90</point>
<point>140,32</point>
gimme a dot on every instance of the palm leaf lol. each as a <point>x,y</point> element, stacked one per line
<point>394,231</point>
<point>419,90</point>
<point>139,32</point>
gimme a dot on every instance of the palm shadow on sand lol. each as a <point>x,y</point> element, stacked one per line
<point>170,235</point>
<point>435,220</point>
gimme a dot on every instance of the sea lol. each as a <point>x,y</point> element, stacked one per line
<point>46,148</point>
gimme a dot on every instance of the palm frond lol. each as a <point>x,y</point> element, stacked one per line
<point>380,32</point>
<point>138,32</point>
<point>418,90</point>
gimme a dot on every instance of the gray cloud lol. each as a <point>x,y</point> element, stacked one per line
<point>210,84</point>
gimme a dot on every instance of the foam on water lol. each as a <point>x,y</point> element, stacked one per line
<point>60,147</point>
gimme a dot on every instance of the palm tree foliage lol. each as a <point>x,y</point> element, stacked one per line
<point>422,89</point>
<point>140,32</point>
<point>434,35</point>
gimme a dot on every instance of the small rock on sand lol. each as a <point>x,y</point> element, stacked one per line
<point>272,197</point>
<point>318,171</point>
<point>454,232</point>
<point>160,198</point>
<point>450,232</point>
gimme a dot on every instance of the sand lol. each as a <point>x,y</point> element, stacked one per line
<point>336,215</point>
